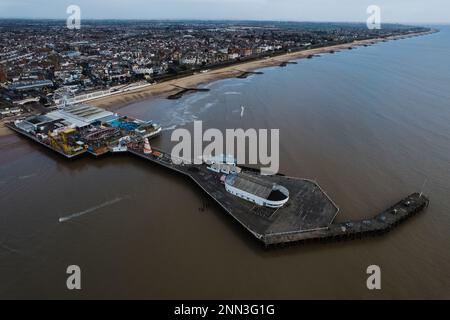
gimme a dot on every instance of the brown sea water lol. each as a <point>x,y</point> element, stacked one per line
<point>370,125</point>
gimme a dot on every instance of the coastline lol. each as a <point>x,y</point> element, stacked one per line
<point>115,102</point>
<point>159,90</point>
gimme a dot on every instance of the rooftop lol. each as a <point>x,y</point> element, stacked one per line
<point>250,184</point>
<point>81,115</point>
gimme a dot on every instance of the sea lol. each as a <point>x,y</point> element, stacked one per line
<point>371,125</point>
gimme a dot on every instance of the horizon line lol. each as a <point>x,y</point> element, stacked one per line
<point>222,20</point>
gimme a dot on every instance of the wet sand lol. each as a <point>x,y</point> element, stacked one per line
<point>169,87</point>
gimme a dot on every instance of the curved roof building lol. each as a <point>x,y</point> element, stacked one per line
<point>256,190</point>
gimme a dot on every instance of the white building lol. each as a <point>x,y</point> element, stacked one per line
<point>82,115</point>
<point>189,60</point>
<point>224,168</point>
<point>222,164</point>
<point>256,190</point>
<point>142,70</point>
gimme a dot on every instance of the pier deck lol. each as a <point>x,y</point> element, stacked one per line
<point>380,224</point>
<point>308,215</point>
<point>309,208</point>
<point>30,136</point>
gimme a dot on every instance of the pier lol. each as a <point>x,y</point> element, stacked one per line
<point>307,216</point>
<point>29,136</point>
<point>357,229</point>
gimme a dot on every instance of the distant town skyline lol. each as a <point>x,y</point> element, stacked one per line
<point>392,11</point>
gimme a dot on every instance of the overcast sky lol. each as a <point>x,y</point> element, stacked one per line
<point>403,11</point>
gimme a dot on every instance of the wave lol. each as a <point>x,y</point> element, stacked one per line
<point>27,176</point>
<point>90,210</point>
<point>207,106</point>
<point>170,128</point>
<point>228,93</point>
<point>8,248</point>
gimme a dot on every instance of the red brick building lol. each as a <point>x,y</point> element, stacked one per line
<point>3,75</point>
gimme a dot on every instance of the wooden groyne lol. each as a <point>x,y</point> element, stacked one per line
<point>246,74</point>
<point>184,91</point>
<point>285,63</point>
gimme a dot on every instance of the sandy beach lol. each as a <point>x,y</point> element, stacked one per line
<point>169,87</point>
<point>163,89</point>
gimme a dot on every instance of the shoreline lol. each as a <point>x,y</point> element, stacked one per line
<point>166,88</point>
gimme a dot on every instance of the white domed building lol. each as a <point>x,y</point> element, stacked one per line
<point>255,190</point>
